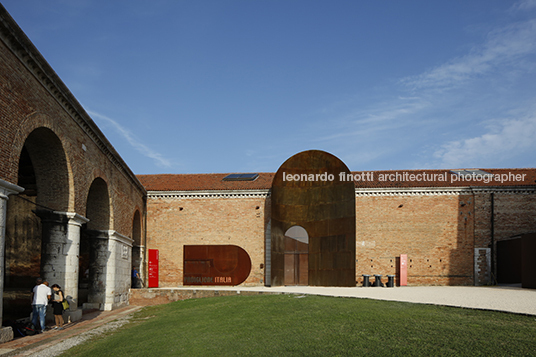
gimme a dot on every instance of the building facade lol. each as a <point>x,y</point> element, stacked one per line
<point>446,223</point>
<point>71,210</point>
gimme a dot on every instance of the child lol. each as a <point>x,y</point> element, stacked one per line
<point>57,301</point>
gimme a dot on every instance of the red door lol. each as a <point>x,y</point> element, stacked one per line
<point>153,268</point>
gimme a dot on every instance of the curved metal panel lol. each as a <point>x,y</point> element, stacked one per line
<point>215,265</point>
<point>307,191</point>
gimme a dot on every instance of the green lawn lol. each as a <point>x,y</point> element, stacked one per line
<point>291,325</point>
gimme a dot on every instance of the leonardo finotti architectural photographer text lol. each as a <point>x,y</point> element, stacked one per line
<point>407,176</point>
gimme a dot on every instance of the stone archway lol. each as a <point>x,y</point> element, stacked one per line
<point>38,225</point>
<point>137,248</point>
<point>310,190</point>
<point>94,254</point>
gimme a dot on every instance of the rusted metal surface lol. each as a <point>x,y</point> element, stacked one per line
<point>296,262</point>
<point>325,207</point>
<point>215,265</point>
<point>509,258</point>
<point>528,261</point>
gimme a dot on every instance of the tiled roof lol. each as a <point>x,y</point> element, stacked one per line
<point>201,182</point>
<point>444,178</point>
<point>362,179</point>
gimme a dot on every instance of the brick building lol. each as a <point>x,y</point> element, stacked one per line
<point>70,208</point>
<point>447,222</point>
<point>72,211</point>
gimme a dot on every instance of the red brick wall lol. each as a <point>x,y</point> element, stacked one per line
<point>29,99</point>
<point>173,223</point>
<point>436,233</point>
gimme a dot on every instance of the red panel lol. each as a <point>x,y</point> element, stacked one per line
<point>215,265</point>
<point>153,268</point>
<point>403,269</point>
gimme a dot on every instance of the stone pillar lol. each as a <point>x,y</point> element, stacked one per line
<point>71,249</point>
<point>119,267</point>
<point>98,259</point>
<point>59,252</point>
<point>6,189</point>
<point>110,269</point>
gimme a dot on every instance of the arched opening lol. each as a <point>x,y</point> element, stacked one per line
<point>94,245</point>
<point>137,251</point>
<point>43,173</point>
<point>296,256</point>
<point>98,206</point>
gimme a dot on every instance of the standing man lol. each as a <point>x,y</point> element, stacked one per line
<point>40,295</point>
<point>135,278</point>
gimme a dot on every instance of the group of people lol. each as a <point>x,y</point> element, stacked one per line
<point>42,294</point>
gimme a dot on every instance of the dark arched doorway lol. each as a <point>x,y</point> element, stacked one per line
<point>137,249</point>
<point>311,190</point>
<point>44,175</point>
<point>94,246</point>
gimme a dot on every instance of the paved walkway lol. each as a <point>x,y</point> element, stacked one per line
<point>508,299</point>
<point>54,342</point>
<point>499,298</point>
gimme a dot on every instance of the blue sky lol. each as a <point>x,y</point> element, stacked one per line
<point>240,86</point>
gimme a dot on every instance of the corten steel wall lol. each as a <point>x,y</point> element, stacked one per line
<point>225,264</point>
<point>227,219</point>
<point>514,213</point>
<point>325,209</point>
<point>31,97</point>
<point>434,230</point>
<point>528,260</point>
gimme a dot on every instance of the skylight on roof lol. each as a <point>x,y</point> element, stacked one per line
<point>471,173</point>
<point>240,177</point>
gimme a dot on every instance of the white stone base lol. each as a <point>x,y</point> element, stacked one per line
<point>72,315</point>
<point>6,334</point>
<point>91,306</point>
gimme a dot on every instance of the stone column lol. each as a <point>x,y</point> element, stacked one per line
<point>59,252</point>
<point>119,280</point>
<point>99,255</point>
<point>71,249</point>
<point>110,270</point>
<point>6,189</point>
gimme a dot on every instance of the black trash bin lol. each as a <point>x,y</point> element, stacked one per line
<point>377,280</point>
<point>390,281</point>
<point>366,281</point>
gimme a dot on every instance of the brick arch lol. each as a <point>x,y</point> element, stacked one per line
<point>138,249</point>
<point>47,157</point>
<point>98,206</point>
<point>45,148</point>
<point>136,228</point>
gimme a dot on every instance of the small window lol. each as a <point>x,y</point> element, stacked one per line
<point>471,173</point>
<point>241,177</point>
